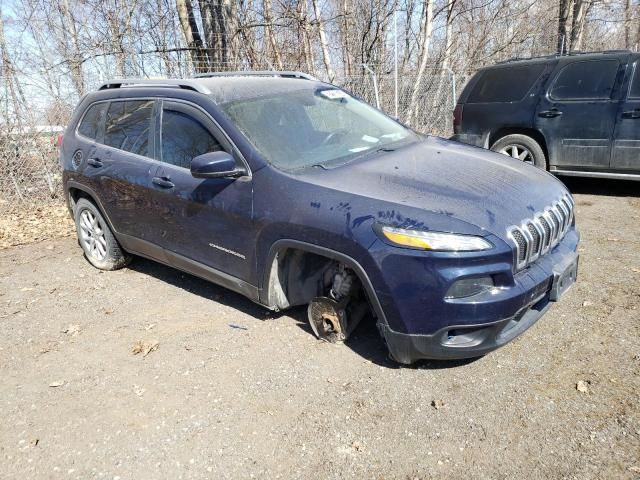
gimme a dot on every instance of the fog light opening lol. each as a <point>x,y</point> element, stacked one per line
<point>468,287</point>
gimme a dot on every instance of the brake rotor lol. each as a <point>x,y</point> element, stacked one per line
<point>327,319</point>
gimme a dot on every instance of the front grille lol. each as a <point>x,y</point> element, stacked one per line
<point>536,236</point>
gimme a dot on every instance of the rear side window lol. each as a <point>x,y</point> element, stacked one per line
<point>184,137</point>
<point>587,80</point>
<point>506,84</point>
<point>92,121</point>
<point>634,91</point>
<point>127,126</point>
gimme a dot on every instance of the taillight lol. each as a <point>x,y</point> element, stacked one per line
<point>457,118</point>
<point>59,141</point>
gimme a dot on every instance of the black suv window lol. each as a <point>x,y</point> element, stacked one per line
<point>587,80</point>
<point>184,135</point>
<point>92,121</point>
<point>127,126</point>
<point>505,84</point>
<point>634,91</point>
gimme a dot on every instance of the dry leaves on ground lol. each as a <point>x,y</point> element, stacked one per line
<point>29,224</point>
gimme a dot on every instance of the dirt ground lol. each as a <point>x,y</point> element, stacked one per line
<point>221,389</point>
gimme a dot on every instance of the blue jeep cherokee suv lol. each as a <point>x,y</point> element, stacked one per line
<point>293,192</point>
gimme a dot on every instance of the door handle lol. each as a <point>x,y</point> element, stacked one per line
<point>554,112</point>
<point>94,162</point>
<point>632,114</point>
<point>164,182</point>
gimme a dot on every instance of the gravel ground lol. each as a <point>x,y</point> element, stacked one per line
<point>220,388</point>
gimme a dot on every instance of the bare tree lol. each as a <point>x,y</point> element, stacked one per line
<point>269,33</point>
<point>426,30</point>
<point>192,34</point>
<point>326,56</point>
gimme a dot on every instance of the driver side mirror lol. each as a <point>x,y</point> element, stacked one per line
<point>215,165</point>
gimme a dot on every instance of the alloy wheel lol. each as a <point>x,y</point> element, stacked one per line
<point>92,235</point>
<point>518,151</point>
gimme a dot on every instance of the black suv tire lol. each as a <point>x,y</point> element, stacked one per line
<point>531,151</point>
<point>96,239</point>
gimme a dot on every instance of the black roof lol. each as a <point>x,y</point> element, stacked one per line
<point>573,54</point>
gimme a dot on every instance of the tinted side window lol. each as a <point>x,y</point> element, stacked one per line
<point>91,122</point>
<point>634,92</point>
<point>590,80</point>
<point>506,84</point>
<point>127,126</point>
<point>184,137</point>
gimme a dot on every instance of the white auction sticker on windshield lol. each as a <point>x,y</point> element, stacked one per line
<point>369,139</point>
<point>334,94</point>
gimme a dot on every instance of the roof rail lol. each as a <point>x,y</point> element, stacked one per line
<point>257,73</point>
<point>557,55</point>
<point>593,52</point>
<point>161,83</point>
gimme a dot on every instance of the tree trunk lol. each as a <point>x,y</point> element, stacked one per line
<point>426,29</point>
<point>192,35</point>
<point>268,32</point>
<point>214,29</point>
<point>303,21</point>
<point>580,10</point>
<point>72,52</point>
<point>345,26</point>
<point>563,17</point>
<point>628,20</point>
<point>439,103</point>
<point>326,56</point>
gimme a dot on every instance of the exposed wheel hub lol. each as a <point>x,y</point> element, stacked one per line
<point>327,319</point>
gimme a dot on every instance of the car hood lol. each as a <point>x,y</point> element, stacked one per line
<point>479,187</point>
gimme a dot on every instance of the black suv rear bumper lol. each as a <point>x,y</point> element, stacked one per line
<point>469,139</point>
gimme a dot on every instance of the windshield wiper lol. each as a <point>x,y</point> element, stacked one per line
<point>319,165</point>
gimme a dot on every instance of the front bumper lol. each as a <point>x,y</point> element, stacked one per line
<point>474,327</point>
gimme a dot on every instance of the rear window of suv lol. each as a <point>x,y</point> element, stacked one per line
<point>505,84</point>
<point>93,121</point>
<point>587,80</point>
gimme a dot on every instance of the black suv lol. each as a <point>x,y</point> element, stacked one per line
<point>573,115</point>
<point>292,192</point>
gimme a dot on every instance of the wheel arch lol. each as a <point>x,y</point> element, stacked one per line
<point>76,191</point>
<point>529,132</point>
<point>281,248</point>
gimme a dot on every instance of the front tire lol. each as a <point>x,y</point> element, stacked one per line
<point>523,148</point>
<point>96,239</point>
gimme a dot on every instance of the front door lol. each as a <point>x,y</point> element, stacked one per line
<point>207,221</point>
<point>626,146</point>
<point>577,114</point>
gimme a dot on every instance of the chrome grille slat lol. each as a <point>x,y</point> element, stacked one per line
<point>536,236</point>
<point>565,216</point>
<point>547,233</point>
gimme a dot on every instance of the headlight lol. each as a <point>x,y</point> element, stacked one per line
<point>446,242</point>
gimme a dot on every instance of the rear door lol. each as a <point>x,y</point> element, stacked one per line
<point>577,113</point>
<point>118,136</point>
<point>626,146</point>
<point>207,221</point>
<point>123,163</point>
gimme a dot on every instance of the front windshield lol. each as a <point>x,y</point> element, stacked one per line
<point>322,127</point>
